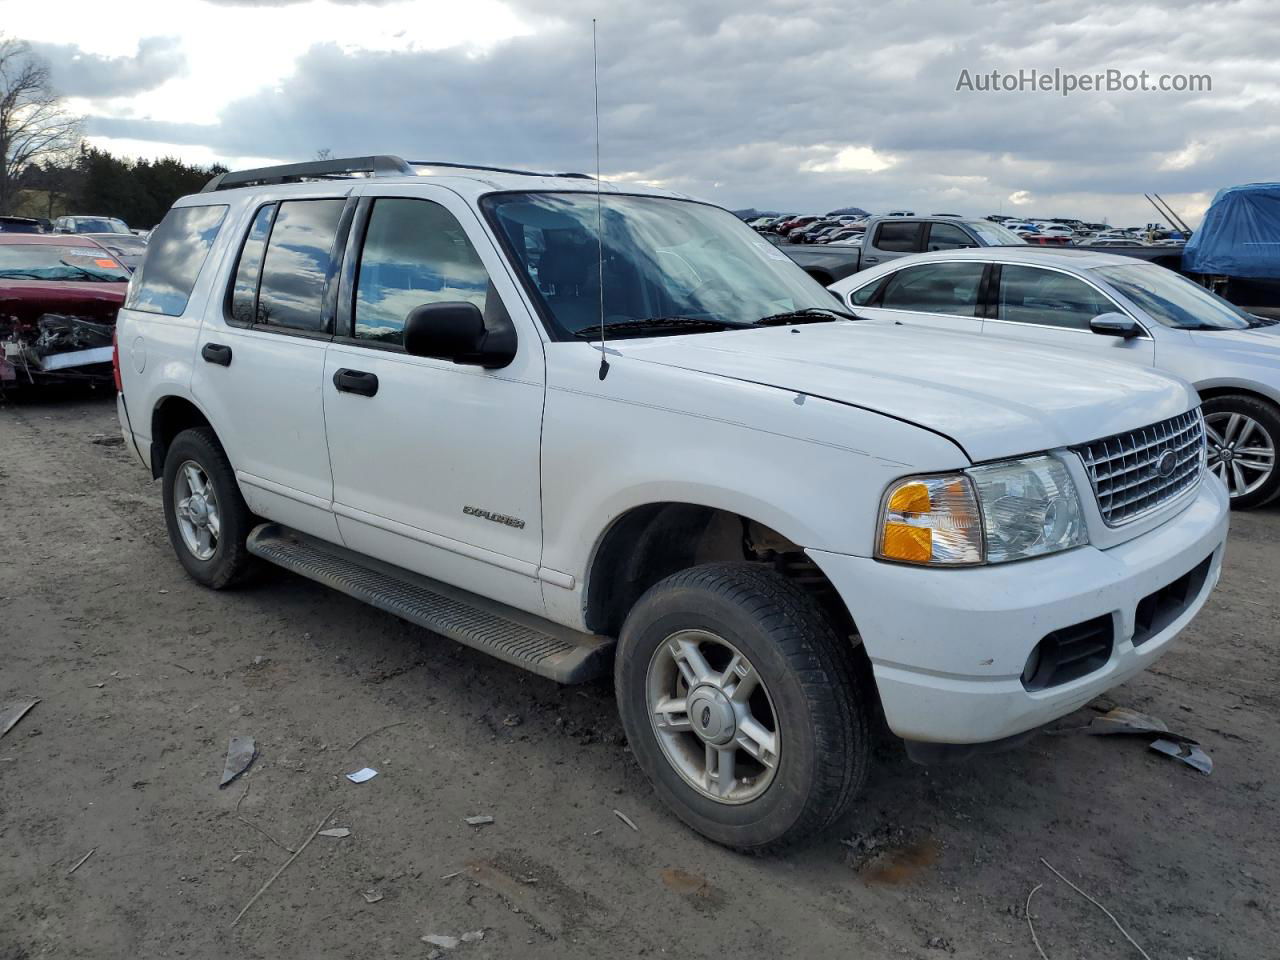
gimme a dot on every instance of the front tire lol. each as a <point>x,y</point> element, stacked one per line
<point>1243,436</point>
<point>207,518</point>
<point>742,705</point>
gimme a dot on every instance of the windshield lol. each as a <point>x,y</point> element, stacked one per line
<point>47,261</point>
<point>1174,300</point>
<point>993,234</point>
<point>661,258</point>
<point>98,225</point>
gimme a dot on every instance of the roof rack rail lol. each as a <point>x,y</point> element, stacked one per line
<point>383,165</point>
<point>476,166</point>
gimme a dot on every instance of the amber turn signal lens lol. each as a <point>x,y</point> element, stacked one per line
<point>931,520</point>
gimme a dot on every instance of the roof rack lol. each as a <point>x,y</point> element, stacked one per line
<point>476,166</point>
<point>384,165</point>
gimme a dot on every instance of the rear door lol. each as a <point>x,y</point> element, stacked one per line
<point>944,294</point>
<point>260,363</point>
<point>1053,307</point>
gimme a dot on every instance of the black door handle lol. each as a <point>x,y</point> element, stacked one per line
<point>217,353</point>
<point>355,381</point>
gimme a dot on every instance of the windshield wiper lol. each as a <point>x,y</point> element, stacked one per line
<point>806,315</point>
<point>677,324</point>
<point>14,274</point>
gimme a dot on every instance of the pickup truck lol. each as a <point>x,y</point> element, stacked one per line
<point>889,237</point>
<point>592,430</point>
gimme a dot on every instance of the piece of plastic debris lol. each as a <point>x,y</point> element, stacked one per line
<point>512,720</point>
<point>441,940</point>
<point>80,862</point>
<point>450,876</point>
<point>338,832</point>
<point>625,819</point>
<point>363,774</point>
<point>478,821</point>
<point>14,712</point>
<point>472,936</point>
<point>1189,753</point>
<point>97,684</point>
<point>371,895</point>
<point>240,753</point>
<point>1124,720</point>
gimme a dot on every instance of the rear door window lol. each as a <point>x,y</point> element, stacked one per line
<point>950,288</point>
<point>176,251</point>
<point>299,264</point>
<point>244,290</point>
<point>901,237</point>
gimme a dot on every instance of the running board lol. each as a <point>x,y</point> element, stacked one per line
<point>519,638</point>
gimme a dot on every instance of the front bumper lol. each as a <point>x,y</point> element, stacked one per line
<point>948,647</point>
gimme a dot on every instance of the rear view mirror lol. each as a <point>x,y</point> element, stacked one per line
<point>455,330</point>
<point>1115,325</point>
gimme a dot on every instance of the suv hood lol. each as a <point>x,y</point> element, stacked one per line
<point>993,399</point>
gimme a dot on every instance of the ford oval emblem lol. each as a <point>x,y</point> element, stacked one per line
<point>1167,463</point>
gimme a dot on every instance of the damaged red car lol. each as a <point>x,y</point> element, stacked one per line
<point>58,301</point>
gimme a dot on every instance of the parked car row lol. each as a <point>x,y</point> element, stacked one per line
<point>771,516</point>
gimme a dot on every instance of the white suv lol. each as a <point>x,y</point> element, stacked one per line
<point>578,429</point>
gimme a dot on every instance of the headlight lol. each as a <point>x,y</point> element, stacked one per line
<point>988,514</point>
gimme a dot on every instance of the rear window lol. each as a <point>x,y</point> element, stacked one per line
<point>59,262</point>
<point>899,237</point>
<point>176,251</point>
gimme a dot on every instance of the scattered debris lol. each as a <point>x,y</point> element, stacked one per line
<point>250,823</point>
<point>372,732</point>
<point>371,895</point>
<point>336,832</point>
<point>283,867</point>
<point>478,821</point>
<point>472,936</point>
<point>512,720</point>
<point>97,684</point>
<point>1122,720</point>
<point>11,714</point>
<point>80,862</point>
<point>363,774</point>
<point>940,943</point>
<point>1109,914</point>
<point>441,940</point>
<point>240,753</point>
<point>1034,938</point>
<point>627,820</point>
<point>107,440</point>
<point>450,876</point>
<point>1189,753</point>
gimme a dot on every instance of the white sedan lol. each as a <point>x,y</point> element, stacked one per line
<point>1114,307</point>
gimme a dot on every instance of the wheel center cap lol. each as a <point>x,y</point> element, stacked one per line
<point>711,715</point>
<point>199,510</point>
<point>1226,453</point>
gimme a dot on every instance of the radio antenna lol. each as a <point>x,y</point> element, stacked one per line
<point>595,85</point>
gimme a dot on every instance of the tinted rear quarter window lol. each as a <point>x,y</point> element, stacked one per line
<point>244,292</point>
<point>298,264</point>
<point>899,237</point>
<point>176,252</point>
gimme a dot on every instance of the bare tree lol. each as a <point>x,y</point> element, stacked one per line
<point>34,124</point>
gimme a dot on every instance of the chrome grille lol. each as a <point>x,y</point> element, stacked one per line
<point>1125,469</point>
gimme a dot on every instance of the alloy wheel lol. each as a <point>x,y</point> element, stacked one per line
<point>1242,453</point>
<point>713,716</point>
<point>196,507</point>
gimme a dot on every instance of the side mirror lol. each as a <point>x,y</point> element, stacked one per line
<point>456,331</point>
<point>1115,325</point>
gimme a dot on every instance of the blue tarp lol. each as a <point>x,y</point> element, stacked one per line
<point>1240,234</point>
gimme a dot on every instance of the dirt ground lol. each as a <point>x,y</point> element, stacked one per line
<point>143,676</point>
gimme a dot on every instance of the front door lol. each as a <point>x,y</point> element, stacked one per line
<point>435,463</point>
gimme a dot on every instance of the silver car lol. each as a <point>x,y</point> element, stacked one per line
<point>1114,307</point>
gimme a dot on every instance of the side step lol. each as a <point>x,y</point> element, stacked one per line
<point>519,638</point>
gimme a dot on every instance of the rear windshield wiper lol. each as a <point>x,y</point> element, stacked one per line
<point>656,325</point>
<point>806,315</point>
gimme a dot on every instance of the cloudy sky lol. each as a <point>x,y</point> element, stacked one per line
<point>797,105</point>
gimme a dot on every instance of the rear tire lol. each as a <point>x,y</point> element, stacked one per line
<point>766,672</point>
<point>207,518</point>
<point>1244,438</point>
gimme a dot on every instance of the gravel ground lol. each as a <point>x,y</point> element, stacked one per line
<point>143,676</point>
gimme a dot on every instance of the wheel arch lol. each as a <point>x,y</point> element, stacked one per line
<point>171,415</point>
<point>651,541</point>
